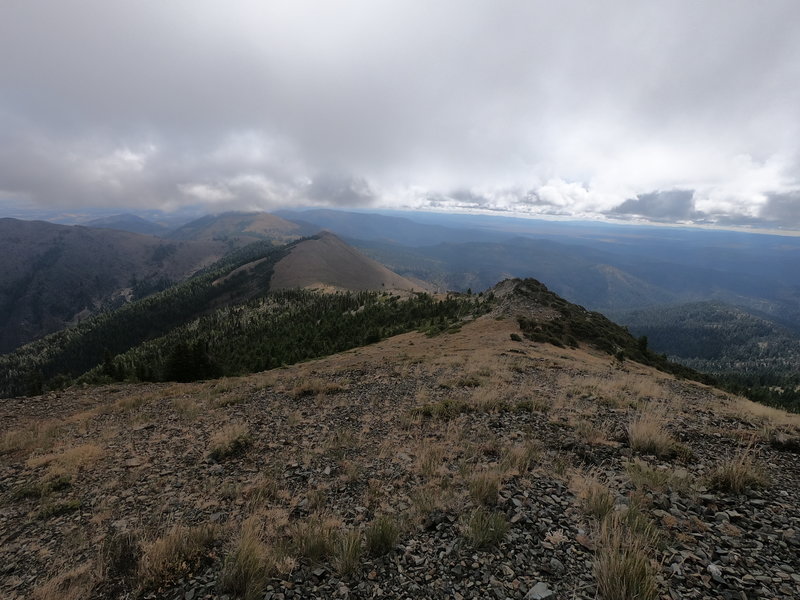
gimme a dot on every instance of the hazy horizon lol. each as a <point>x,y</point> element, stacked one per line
<point>675,113</point>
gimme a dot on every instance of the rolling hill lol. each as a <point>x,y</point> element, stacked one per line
<point>238,229</point>
<point>128,222</point>
<point>326,261</point>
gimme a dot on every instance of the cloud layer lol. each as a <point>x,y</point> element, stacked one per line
<point>668,111</point>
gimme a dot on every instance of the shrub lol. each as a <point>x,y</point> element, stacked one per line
<point>382,535</point>
<point>484,528</point>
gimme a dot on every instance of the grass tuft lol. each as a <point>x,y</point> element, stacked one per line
<point>231,440</point>
<point>175,554</point>
<point>382,535</point>
<point>484,528</point>
<point>347,552</point>
<point>594,497</point>
<point>738,473</point>
<point>484,487</point>
<point>314,538</point>
<point>247,567</point>
<point>646,434</point>
<point>622,567</point>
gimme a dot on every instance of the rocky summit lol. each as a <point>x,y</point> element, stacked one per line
<point>476,463</point>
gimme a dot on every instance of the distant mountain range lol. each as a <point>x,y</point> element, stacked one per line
<point>55,275</point>
<point>229,301</point>
<point>643,277</point>
<point>130,223</point>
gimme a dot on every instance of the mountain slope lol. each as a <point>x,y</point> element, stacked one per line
<point>326,261</point>
<point>239,229</point>
<point>184,321</point>
<point>466,464</point>
<point>127,222</point>
<point>70,352</point>
<point>52,275</point>
<point>748,351</point>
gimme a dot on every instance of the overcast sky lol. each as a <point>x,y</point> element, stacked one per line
<point>674,111</point>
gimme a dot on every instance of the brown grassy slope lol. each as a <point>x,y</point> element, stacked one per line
<point>325,261</point>
<point>436,435</point>
<point>50,273</point>
<point>240,229</point>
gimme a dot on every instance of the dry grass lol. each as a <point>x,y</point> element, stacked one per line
<point>347,550</point>
<point>484,487</point>
<point>622,566</point>
<point>642,475</point>
<point>737,473</point>
<point>754,412</point>
<point>484,528</point>
<point>249,564</point>
<point>314,538</point>
<point>131,403</point>
<point>175,554</point>
<point>429,498</point>
<point>340,442</point>
<point>75,584</point>
<point>594,497</point>
<point>646,434</point>
<point>518,459</point>
<point>491,399</point>
<point>315,387</point>
<point>261,491</point>
<point>589,432</point>
<point>231,440</point>
<point>430,459</point>
<point>39,436</point>
<point>382,535</point>
<point>68,461</point>
<point>187,407</point>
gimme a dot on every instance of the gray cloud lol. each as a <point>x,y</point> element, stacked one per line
<point>670,206</point>
<point>782,210</point>
<point>569,108</point>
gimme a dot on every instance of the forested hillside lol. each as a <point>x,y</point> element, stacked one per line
<point>746,352</point>
<point>282,328</point>
<point>71,352</point>
<point>53,275</point>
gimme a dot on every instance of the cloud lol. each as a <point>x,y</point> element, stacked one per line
<point>568,109</point>
<point>669,206</point>
<point>782,210</point>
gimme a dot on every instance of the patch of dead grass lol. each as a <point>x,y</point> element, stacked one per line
<point>74,584</point>
<point>68,461</point>
<point>647,435</point>
<point>175,554</point>
<point>40,436</point>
